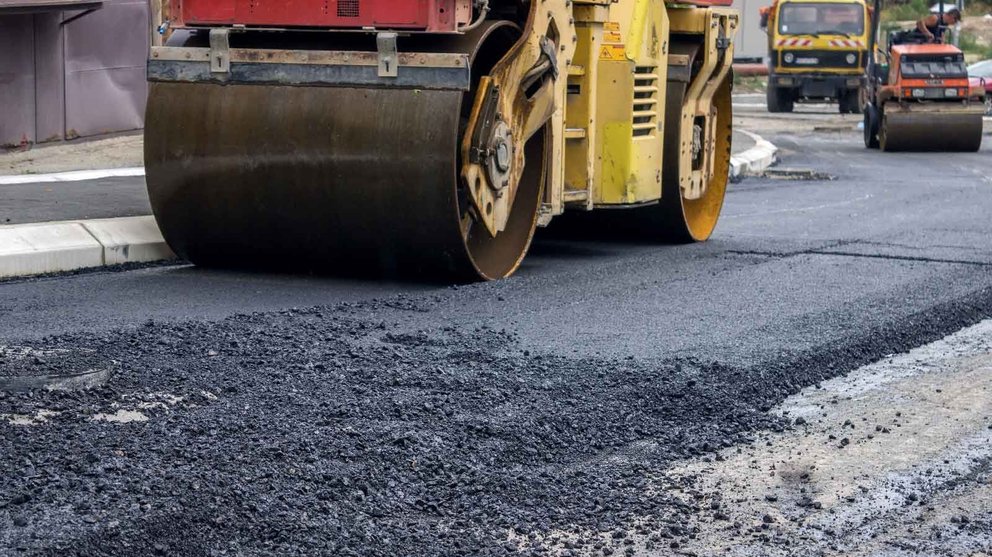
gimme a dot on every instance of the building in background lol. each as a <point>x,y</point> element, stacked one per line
<point>71,68</point>
<point>751,42</point>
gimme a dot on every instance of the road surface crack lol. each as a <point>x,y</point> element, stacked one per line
<point>862,255</point>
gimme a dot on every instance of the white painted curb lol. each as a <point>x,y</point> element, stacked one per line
<point>74,176</point>
<point>52,247</point>
<point>755,160</point>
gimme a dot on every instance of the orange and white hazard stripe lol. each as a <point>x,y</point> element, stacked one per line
<point>847,43</point>
<point>794,42</point>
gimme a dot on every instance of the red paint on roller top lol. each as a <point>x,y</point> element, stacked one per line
<point>434,16</point>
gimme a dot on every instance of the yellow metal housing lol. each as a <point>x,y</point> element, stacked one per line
<point>615,112</point>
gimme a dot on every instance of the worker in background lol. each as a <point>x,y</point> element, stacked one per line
<point>933,29</point>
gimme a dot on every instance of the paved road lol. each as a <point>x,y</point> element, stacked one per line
<point>890,232</point>
<point>416,419</point>
<point>90,199</point>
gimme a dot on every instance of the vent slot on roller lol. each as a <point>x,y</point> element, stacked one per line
<point>645,122</point>
<point>348,8</point>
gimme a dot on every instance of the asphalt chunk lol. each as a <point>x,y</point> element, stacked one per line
<point>298,432</point>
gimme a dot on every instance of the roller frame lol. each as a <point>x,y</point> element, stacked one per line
<point>502,104</point>
<point>714,24</point>
<point>423,70</point>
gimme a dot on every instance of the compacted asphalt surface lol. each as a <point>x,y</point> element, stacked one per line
<point>252,414</point>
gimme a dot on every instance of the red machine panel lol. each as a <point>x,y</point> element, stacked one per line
<point>438,16</point>
<point>707,3</point>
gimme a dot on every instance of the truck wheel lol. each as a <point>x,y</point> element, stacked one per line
<point>771,98</point>
<point>788,101</point>
<point>849,102</point>
<point>843,104</point>
<point>779,99</point>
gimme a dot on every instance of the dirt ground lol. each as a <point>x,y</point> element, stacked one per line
<point>750,84</point>
<point>981,26</point>
<point>118,151</point>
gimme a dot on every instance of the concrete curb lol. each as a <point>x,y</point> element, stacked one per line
<point>74,176</point>
<point>53,247</point>
<point>755,160</point>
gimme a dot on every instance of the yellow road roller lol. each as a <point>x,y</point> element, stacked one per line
<point>429,138</point>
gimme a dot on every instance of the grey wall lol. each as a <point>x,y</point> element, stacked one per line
<point>17,79</point>
<point>751,41</point>
<point>86,77</point>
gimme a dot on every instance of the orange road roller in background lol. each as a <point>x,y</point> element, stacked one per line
<point>919,95</point>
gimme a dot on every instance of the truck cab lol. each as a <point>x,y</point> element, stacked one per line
<point>817,51</point>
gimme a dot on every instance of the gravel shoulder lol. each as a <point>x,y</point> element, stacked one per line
<point>891,459</point>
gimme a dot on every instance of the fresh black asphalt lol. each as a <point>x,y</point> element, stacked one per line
<point>311,415</point>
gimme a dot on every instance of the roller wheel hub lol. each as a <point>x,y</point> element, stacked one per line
<point>500,156</point>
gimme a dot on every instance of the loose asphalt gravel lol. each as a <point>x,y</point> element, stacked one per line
<point>533,416</point>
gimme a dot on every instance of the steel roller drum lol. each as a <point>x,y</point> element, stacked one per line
<point>930,131</point>
<point>346,180</point>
